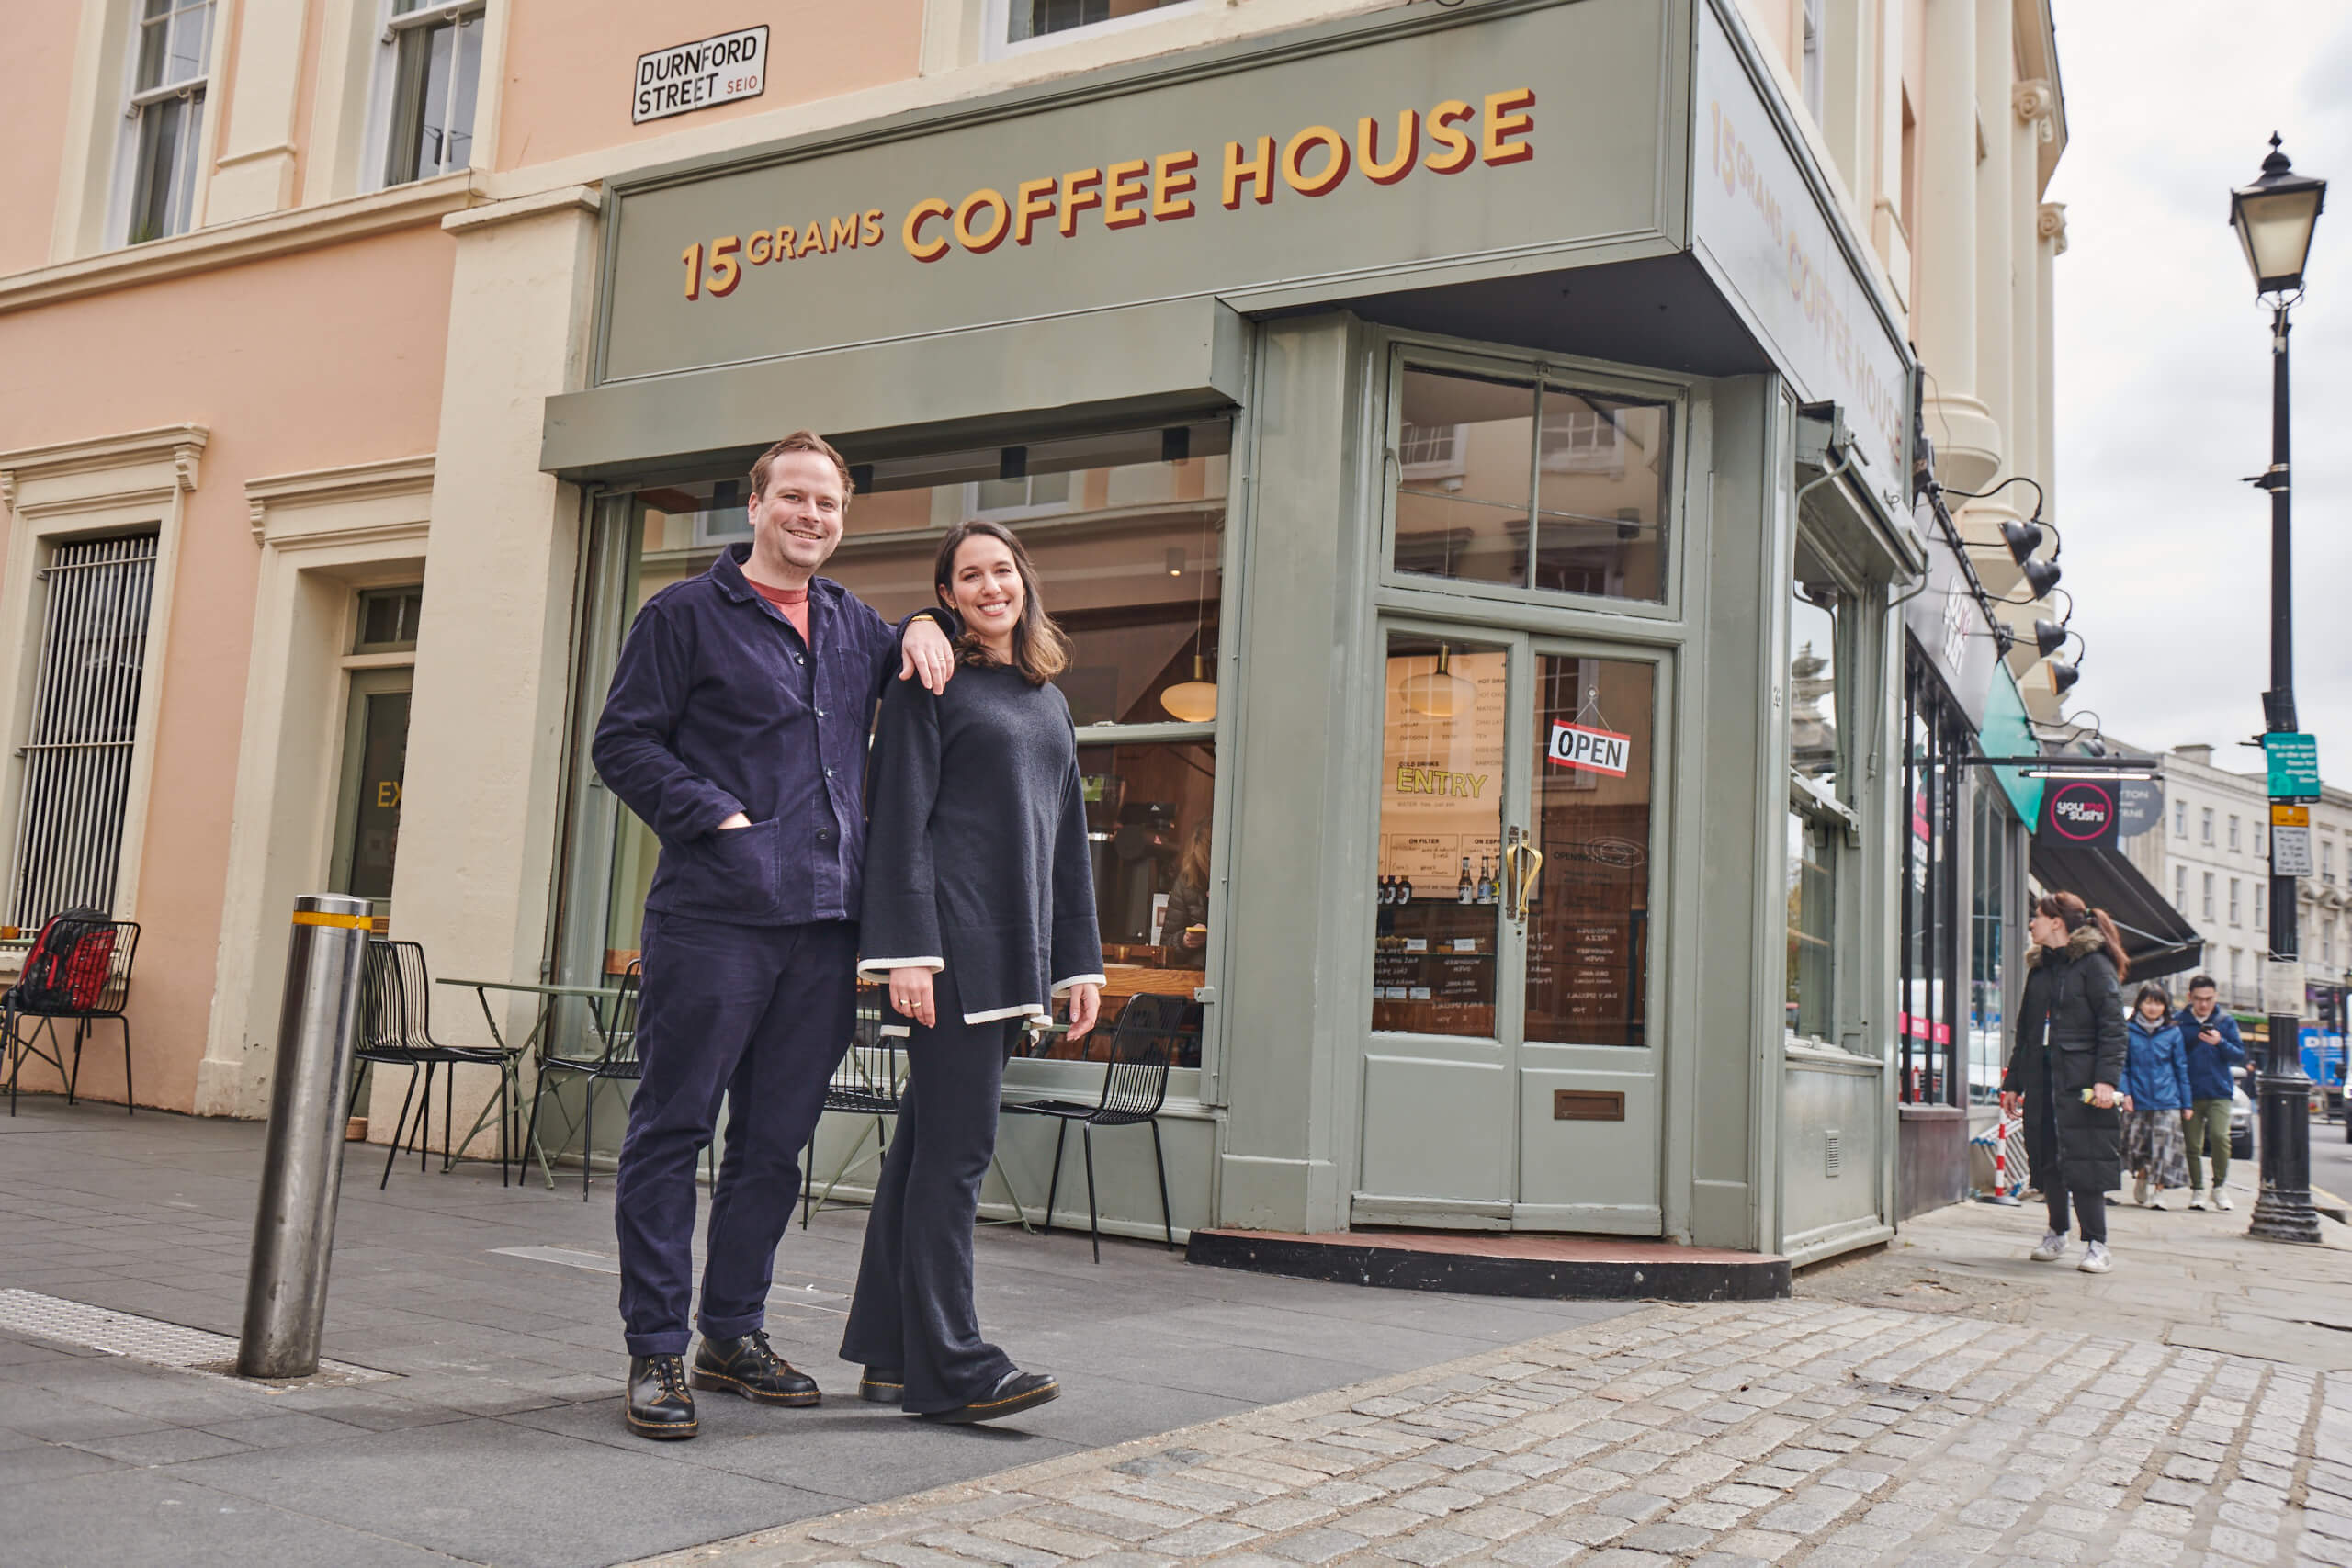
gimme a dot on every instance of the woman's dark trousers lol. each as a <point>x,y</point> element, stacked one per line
<point>913,1310</point>
<point>2089,1207</point>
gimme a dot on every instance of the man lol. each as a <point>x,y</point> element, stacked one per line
<point>737,728</point>
<point>2211,1038</point>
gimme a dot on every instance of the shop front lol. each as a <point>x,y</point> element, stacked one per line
<point>1465,449</point>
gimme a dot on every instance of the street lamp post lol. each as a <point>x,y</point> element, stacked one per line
<point>2274,218</point>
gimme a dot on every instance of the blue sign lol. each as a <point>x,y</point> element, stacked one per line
<point>2323,1057</point>
<point>2294,766</point>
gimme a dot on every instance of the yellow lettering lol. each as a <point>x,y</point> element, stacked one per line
<point>869,226</point>
<point>1258,171</point>
<point>1080,191</point>
<point>1457,150</point>
<point>726,272</point>
<point>1504,121</point>
<point>972,238</point>
<point>1335,167</point>
<point>1031,199</point>
<point>1124,190</point>
<point>388,792</point>
<point>756,250</point>
<point>842,232</point>
<point>1408,143</point>
<point>814,240</point>
<point>911,235</point>
<point>1170,181</point>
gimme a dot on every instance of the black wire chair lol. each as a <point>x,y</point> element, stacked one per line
<point>616,1064</point>
<point>96,966</point>
<point>1151,1033</point>
<point>396,1030</point>
<point>867,1083</point>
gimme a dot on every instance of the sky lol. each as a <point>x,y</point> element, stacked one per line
<point>2163,369</point>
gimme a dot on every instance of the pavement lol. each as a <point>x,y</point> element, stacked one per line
<point>1941,1401</point>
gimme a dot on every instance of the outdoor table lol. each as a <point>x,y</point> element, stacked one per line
<point>548,995</point>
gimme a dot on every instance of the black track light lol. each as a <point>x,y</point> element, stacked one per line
<point>2041,576</point>
<point>2049,637</point>
<point>2063,676</point>
<point>2023,539</point>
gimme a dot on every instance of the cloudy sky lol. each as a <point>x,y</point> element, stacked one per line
<point>2163,367</point>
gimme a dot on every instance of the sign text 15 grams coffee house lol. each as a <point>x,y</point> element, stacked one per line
<point>1401,401</point>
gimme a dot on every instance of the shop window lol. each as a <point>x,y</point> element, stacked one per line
<point>1127,532</point>
<point>76,757</point>
<point>1529,484</point>
<point>1821,815</point>
<point>163,115</point>
<point>1935,739</point>
<point>429,75</point>
<point>1992,892</point>
<point>1016,24</point>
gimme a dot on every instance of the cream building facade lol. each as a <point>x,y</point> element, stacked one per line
<point>308,287</point>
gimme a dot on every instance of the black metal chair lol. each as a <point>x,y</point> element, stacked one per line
<point>616,1064</point>
<point>98,978</point>
<point>866,1083</point>
<point>396,1030</point>
<point>1145,1043</point>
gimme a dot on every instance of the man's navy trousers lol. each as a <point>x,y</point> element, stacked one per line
<point>761,1015</point>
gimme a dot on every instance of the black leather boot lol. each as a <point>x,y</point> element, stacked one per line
<point>747,1366</point>
<point>882,1385</point>
<point>1014,1392</point>
<point>660,1404</point>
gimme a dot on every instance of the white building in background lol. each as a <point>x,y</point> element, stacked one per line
<point>2210,855</point>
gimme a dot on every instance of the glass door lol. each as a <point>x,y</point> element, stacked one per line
<point>368,815</point>
<point>1512,1073</point>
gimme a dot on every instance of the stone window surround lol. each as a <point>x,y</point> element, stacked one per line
<point>81,490</point>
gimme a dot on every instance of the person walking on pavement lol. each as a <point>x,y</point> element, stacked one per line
<point>737,728</point>
<point>2155,1099</point>
<point>2064,1066</point>
<point>2211,1038</point>
<point>979,909</point>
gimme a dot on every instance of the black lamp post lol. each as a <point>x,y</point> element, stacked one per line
<point>2274,218</point>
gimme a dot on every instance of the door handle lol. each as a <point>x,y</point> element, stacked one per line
<point>1522,870</point>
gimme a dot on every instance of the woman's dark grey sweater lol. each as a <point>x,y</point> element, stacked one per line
<point>975,843</point>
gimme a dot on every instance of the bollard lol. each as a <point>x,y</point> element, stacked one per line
<point>286,1290</point>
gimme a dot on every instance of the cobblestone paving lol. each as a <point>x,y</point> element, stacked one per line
<point>1791,1432</point>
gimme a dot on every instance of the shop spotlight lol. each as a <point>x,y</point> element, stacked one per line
<point>2023,539</point>
<point>2063,676</point>
<point>2094,747</point>
<point>2049,637</point>
<point>2041,576</point>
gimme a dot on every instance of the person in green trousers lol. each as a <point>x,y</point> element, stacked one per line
<point>2211,1038</point>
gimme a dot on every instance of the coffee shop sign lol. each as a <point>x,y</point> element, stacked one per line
<point>1165,187</point>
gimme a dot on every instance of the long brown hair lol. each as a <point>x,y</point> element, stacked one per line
<point>2076,914</point>
<point>1040,652</point>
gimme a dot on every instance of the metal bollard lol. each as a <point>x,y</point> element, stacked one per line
<point>286,1290</point>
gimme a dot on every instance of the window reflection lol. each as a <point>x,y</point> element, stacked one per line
<point>1816,824</point>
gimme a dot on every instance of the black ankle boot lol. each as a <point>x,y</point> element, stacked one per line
<point>749,1367</point>
<point>660,1404</point>
<point>1013,1393</point>
<point>882,1385</point>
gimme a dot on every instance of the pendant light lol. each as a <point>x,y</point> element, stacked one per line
<point>1439,693</point>
<point>1194,701</point>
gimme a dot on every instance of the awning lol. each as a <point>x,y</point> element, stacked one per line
<point>2155,938</point>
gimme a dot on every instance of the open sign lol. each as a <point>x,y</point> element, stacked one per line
<point>1595,750</point>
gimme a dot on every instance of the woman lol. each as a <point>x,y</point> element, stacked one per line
<point>2155,1099</point>
<point>2064,1066</point>
<point>980,909</point>
<point>1184,927</point>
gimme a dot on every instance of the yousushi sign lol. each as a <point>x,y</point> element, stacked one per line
<point>1594,750</point>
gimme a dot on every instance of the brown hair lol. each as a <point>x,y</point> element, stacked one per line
<point>1040,652</point>
<point>801,441</point>
<point>1193,867</point>
<point>2077,914</point>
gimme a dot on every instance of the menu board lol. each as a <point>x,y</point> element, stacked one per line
<point>1442,769</point>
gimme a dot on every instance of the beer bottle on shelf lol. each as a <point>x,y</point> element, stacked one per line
<point>1405,888</point>
<point>1464,891</point>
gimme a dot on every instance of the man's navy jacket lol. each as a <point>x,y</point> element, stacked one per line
<point>2209,1066</point>
<point>717,706</point>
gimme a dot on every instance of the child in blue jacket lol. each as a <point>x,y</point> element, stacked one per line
<point>2156,1099</point>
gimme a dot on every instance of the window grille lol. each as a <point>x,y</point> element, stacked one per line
<point>78,753</point>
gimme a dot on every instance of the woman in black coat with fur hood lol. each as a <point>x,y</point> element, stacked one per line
<point>2063,1071</point>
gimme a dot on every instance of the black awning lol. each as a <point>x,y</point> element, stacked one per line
<point>2156,938</point>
